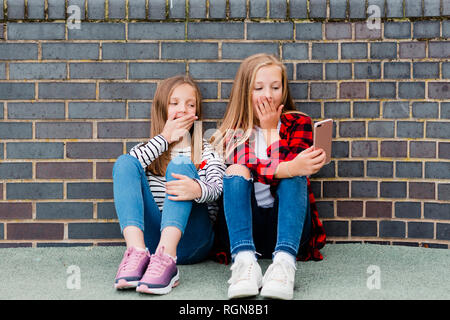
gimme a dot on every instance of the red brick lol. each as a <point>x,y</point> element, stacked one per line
<point>35,231</point>
<point>422,190</point>
<point>378,209</point>
<point>1,191</point>
<point>352,90</point>
<point>14,210</point>
<point>349,208</point>
<point>66,170</point>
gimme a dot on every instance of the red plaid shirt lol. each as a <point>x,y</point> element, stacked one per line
<point>296,135</point>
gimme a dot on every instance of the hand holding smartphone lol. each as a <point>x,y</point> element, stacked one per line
<point>322,137</point>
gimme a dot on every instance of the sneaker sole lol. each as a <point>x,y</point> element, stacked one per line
<point>275,294</point>
<point>243,292</point>
<point>143,288</point>
<point>124,284</point>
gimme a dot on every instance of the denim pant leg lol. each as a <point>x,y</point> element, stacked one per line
<point>134,203</point>
<point>190,217</point>
<point>238,212</point>
<point>293,203</point>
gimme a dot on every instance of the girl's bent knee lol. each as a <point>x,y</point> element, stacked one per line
<point>125,161</point>
<point>238,170</point>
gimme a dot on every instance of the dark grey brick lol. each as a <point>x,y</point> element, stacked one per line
<point>238,8</point>
<point>393,189</point>
<point>216,70</point>
<point>349,209</point>
<point>16,170</point>
<point>99,230</point>
<point>383,50</point>
<point>270,31</point>
<point>395,109</point>
<point>2,71</point>
<point>96,110</point>
<point>156,31</point>
<point>66,210</point>
<point>71,51</point>
<point>94,150</point>
<point>178,50</point>
<point>36,9</point>
<point>444,150</point>
<point>54,90</point>
<point>177,9</point>
<point>381,90</point>
<point>409,129</point>
<point>338,71</point>
<point>155,70</point>
<point>437,170</point>
<point>31,190</point>
<point>420,230</point>
<point>318,9</point>
<point>129,51</point>
<point>394,8</point>
<point>364,189</point>
<point>106,130</point>
<point>443,229</point>
<point>436,129</point>
<point>338,30</point>
<point>422,149</point>
<point>257,9</point>
<point>337,109</point>
<point>335,228</point>
<point>36,31</point>
<point>426,70</point>
<point>213,110</point>
<point>426,29</point>
<point>431,8</point>
<point>277,9</point>
<point>394,149</point>
<point>63,130</point>
<point>90,190</point>
<point>157,9</point>
<point>397,70</point>
<point>357,9</point>
<point>445,110</point>
<point>439,49</point>
<point>129,90</point>
<point>136,9</point>
<point>335,189</point>
<point>98,31</point>
<point>397,30</point>
<point>106,210</point>
<point>116,9</point>
<point>216,30</point>
<point>411,90</point>
<point>325,209</point>
<point>439,90</point>
<point>208,90</point>
<point>444,191</point>
<point>350,168</point>
<point>367,70</point>
<point>352,129</point>
<point>408,169</point>
<point>96,9</point>
<point>392,229</point>
<point>422,190</point>
<point>365,149</point>
<point>412,50</point>
<point>297,51</point>
<point>413,9</point>
<point>217,9</point>
<point>446,27</point>
<point>381,129</point>
<point>243,50</point>
<point>308,31</point>
<point>29,71</point>
<point>325,51</point>
<point>327,171</point>
<point>36,110</point>
<point>80,4</point>
<point>355,50</point>
<point>101,70</point>
<point>313,109</point>
<point>16,130</point>
<point>338,9</point>
<point>439,211</point>
<point>408,210</point>
<point>323,90</point>
<point>366,109</point>
<point>35,150</point>
<point>309,71</point>
<point>364,228</point>
<point>16,91</point>
<point>57,9</point>
<point>381,169</point>
<point>299,90</point>
<point>445,70</point>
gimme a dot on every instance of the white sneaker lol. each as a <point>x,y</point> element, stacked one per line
<point>278,281</point>
<point>246,279</point>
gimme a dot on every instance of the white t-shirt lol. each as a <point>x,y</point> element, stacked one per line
<point>262,191</point>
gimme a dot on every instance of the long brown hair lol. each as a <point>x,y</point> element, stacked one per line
<point>159,116</point>
<point>239,116</point>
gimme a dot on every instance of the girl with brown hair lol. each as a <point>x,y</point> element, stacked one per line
<point>165,192</point>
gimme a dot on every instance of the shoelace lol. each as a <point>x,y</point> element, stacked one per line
<point>278,265</point>
<point>133,257</point>
<point>239,272</point>
<point>158,263</point>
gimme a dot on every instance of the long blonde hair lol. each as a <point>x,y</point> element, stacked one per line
<point>239,118</point>
<point>159,117</point>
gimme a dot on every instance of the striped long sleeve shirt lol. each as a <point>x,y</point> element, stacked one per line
<point>210,175</point>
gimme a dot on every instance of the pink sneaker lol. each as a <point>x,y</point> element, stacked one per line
<point>161,275</point>
<point>131,268</point>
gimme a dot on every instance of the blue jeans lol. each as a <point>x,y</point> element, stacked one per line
<point>284,227</point>
<point>135,206</point>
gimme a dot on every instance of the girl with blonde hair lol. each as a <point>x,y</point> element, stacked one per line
<point>165,192</point>
<point>269,207</point>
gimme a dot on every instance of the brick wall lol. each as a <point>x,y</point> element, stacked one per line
<point>73,100</point>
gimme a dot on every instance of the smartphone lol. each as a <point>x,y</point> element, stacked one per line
<point>322,136</point>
